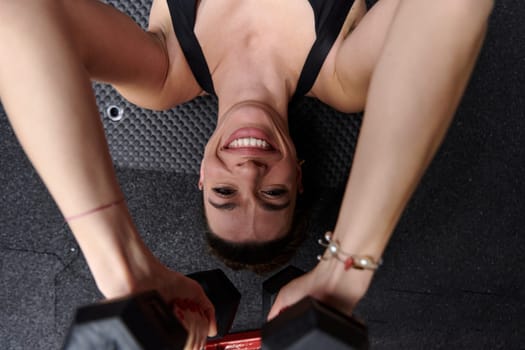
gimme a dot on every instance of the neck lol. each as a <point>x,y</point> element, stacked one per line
<point>246,79</point>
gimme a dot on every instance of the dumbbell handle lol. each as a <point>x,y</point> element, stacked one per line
<point>327,317</point>
<point>250,340</point>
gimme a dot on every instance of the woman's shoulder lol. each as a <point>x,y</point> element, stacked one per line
<point>180,85</point>
<point>328,87</point>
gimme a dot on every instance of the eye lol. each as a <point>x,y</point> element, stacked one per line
<point>274,193</point>
<point>224,191</point>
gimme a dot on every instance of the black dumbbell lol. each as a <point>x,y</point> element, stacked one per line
<point>142,321</point>
<point>308,324</point>
<point>145,321</point>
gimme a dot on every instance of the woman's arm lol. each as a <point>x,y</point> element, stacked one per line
<point>50,51</point>
<point>415,87</point>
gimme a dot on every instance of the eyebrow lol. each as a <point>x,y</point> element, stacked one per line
<point>265,205</point>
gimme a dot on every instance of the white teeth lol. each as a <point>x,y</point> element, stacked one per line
<point>251,142</point>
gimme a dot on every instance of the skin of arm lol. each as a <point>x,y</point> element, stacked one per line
<point>50,54</point>
<point>413,91</point>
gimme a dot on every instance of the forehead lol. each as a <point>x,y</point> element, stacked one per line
<point>248,222</point>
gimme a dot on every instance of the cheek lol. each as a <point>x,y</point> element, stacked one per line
<point>285,173</point>
<point>209,168</point>
<point>209,171</point>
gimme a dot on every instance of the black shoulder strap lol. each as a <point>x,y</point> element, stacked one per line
<point>330,16</point>
<point>183,14</point>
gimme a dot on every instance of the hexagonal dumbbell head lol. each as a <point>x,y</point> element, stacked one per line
<point>311,325</point>
<point>223,294</point>
<point>142,321</point>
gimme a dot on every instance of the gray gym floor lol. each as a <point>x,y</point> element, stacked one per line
<point>452,276</point>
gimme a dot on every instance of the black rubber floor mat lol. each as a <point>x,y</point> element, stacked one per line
<point>169,140</point>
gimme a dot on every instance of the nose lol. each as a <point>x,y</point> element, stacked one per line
<point>252,162</point>
<point>251,167</point>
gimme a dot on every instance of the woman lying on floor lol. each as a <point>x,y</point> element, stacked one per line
<point>406,62</point>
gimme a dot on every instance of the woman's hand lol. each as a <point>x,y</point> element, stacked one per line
<point>183,295</point>
<point>187,300</point>
<point>329,283</point>
<point>122,264</point>
<point>189,304</point>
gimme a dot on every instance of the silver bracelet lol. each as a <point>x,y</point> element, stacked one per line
<point>360,262</point>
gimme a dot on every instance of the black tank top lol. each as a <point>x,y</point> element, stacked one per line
<point>329,15</point>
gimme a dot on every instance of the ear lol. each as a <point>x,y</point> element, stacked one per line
<point>201,177</point>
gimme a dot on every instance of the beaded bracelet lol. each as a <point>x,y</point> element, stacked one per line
<point>360,262</point>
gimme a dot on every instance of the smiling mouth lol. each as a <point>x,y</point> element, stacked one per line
<point>250,142</point>
<point>250,139</point>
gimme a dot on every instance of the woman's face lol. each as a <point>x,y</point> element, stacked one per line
<point>250,175</point>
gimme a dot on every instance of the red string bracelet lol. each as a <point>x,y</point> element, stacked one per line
<point>91,211</point>
<point>360,262</point>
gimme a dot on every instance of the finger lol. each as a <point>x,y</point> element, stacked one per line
<point>190,340</point>
<point>204,335</point>
<point>279,304</point>
<point>289,295</point>
<point>207,311</point>
<point>201,329</point>
<point>212,322</point>
<point>198,328</point>
<point>188,322</point>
